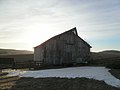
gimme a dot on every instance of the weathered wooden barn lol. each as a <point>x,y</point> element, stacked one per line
<point>65,48</point>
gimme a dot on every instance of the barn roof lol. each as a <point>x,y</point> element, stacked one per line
<point>71,30</point>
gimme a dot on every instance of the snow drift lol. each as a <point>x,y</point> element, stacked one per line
<point>98,73</point>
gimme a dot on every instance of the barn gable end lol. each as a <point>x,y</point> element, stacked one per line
<point>65,48</point>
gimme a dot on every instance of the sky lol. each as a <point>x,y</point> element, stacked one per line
<point>25,24</point>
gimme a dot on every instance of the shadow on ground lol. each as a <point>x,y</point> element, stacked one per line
<point>60,84</point>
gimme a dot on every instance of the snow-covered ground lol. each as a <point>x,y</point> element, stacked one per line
<point>98,73</point>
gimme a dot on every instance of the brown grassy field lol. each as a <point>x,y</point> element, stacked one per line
<point>14,52</point>
<point>105,58</point>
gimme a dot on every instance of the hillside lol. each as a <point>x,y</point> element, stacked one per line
<point>14,52</point>
<point>109,58</point>
<point>111,51</point>
<point>106,54</point>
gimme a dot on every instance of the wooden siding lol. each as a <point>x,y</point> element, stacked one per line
<point>66,48</point>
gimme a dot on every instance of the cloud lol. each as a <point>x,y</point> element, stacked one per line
<point>16,45</point>
<point>94,19</point>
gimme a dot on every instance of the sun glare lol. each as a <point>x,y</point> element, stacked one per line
<point>36,34</point>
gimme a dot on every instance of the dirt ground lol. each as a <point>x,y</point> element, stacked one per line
<point>16,83</point>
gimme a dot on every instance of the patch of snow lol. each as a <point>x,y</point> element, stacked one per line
<point>14,72</point>
<point>98,73</point>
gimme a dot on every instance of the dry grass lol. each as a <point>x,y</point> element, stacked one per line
<point>61,84</point>
<point>115,72</point>
<point>3,73</point>
<point>16,83</point>
<point>7,82</point>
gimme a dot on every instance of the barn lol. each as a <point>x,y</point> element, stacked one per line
<point>63,49</point>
